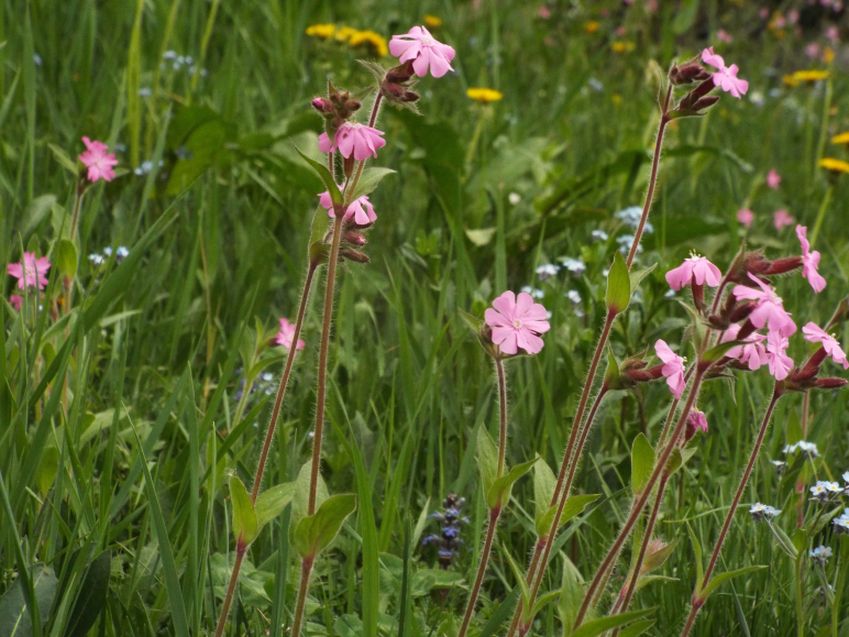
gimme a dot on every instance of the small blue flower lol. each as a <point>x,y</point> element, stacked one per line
<point>821,554</point>
<point>761,511</point>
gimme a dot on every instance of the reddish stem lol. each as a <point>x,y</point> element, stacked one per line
<point>494,514</point>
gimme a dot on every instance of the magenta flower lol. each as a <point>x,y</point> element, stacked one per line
<point>751,352</point>
<point>773,179</point>
<point>695,269</point>
<point>726,76</point>
<point>777,359</point>
<point>99,161</point>
<point>516,323</point>
<point>815,334</point>
<point>425,51</point>
<point>359,210</point>
<point>781,218</point>
<point>358,140</point>
<point>745,217</point>
<point>16,301</point>
<point>769,310</point>
<point>286,334</point>
<point>696,421</point>
<point>810,261</point>
<point>30,272</point>
<point>673,368</point>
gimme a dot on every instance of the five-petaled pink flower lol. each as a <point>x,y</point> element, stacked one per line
<point>351,138</point>
<point>30,272</point>
<point>773,179</point>
<point>745,217</point>
<point>99,161</point>
<point>781,218</point>
<point>673,368</point>
<point>516,323</point>
<point>769,310</point>
<point>726,76</point>
<point>777,359</point>
<point>751,352</point>
<point>815,334</point>
<point>359,210</point>
<point>810,261</point>
<point>286,334</point>
<point>425,51</point>
<point>695,269</point>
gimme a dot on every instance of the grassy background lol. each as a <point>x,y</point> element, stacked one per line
<point>120,421</point>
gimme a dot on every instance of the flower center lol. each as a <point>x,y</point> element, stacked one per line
<point>517,324</point>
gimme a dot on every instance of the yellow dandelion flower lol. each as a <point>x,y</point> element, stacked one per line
<point>591,26</point>
<point>842,138</point>
<point>833,164</point>
<point>321,31</point>
<point>808,75</point>
<point>432,21</point>
<point>374,41</point>
<point>828,55</point>
<point>345,33</point>
<point>484,95</point>
<point>616,98</point>
<point>622,46</point>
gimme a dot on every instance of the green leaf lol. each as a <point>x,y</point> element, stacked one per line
<point>302,490</point>
<point>544,483</point>
<point>603,624</point>
<point>697,556</point>
<point>618,285</point>
<point>642,463</point>
<point>245,523</point>
<point>92,597</point>
<point>636,276</point>
<point>576,504</point>
<point>685,16</point>
<point>64,159</point>
<point>370,180</point>
<point>571,593</point>
<point>637,628</point>
<point>65,257</point>
<point>314,532</point>
<point>716,353</point>
<point>480,236</point>
<point>679,458</point>
<point>35,213</point>
<point>271,502</point>
<point>611,374</point>
<point>326,178</point>
<point>499,493</point>
<point>487,455</point>
<point>15,616</point>
<point>719,580</point>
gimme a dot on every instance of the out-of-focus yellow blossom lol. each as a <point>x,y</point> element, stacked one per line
<point>808,75</point>
<point>371,39</point>
<point>432,21</point>
<point>622,46</point>
<point>841,138</point>
<point>834,164</point>
<point>345,33</point>
<point>322,31</point>
<point>828,55</point>
<point>484,95</point>
<point>591,26</point>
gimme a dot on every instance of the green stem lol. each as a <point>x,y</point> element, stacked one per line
<point>502,415</point>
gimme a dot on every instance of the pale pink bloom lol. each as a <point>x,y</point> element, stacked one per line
<point>745,216</point>
<point>726,76</point>
<point>810,261</point>
<point>777,359</point>
<point>773,179</point>
<point>543,12</point>
<point>812,50</point>
<point>723,36</point>
<point>751,352</point>
<point>781,218</point>
<point>673,367</point>
<point>16,301</point>
<point>359,210</point>
<point>286,334</point>
<point>99,161</point>
<point>425,51</point>
<point>696,421</point>
<point>832,33</point>
<point>769,310</point>
<point>516,323</point>
<point>815,334</point>
<point>695,269</point>
<point>30,272</point>
<point>358,140</point>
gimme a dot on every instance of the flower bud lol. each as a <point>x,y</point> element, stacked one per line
<point>831,383</point>
<point>354,238</point>
<point>322,105</point>
<point>705,102</point>
<point>354,255</point>
<point>400,74</point>
<point>741,311</point>
<point>687,73</point>
<point>781,266</point>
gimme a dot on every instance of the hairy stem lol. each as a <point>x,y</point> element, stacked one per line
<point>301,603</point>
<point>494,514</point>
<point>241,548</point>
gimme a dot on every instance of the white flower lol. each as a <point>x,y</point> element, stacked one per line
<point>96,259</point>
<point>824,489</point>
<point>574,296</point>
<point>534,292</point>
<point>575,266</point>
<point>761,511</point>
<point>546,271</point>
<point>599,235</point>
<point>630,216</point>
<point>842,523</point>
<point>821,554</point>
<point>514,198</point>
<point>122,252</point>
<point>808,448</point>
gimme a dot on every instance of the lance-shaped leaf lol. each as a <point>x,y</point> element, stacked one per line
<point>487,455</point>
<point>245,524</point>
<point>324,174</point>
<point>601,625</point>
<point>65,257</point>
<point>370,180</point>
<point>642,463</point>
<point>498,493</point>
<point>717,352</point>
<point>314,532</point>
<point>679,458</point>
<point>611,374</point>
<point>544,485</point>
<point>718,580</point>
<point>618,285</point>
<point>271,502</point>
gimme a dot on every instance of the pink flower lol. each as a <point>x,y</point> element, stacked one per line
<point>99,161</point>
<point>358,140</point>
<point>16,301</point>
<point>359,210</point>
<point>30,272</point>
<point>286,334</point>
<point>810,261</point>
<point>773,179</point>
<point>673,368</point>
<point>425,51</point>
<point>751,352</point>
<point>815,334</point>
<point>723,36</point>
<point>726,76</point>
<point>777,359</point>
<point>695,269</point>
<point>516,323</point>
<point>769,310</point>
<point>745,217</point>
<point>696,421</point>
<point>782,218</point>
<point>812,50</point>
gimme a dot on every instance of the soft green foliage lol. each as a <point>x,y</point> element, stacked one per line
<point>123,417</point>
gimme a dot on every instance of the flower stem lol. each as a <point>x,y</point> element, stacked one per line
<point>241,548</point>
<point>609,560</point>
<point>698,601</point>
<point>303,588</point>
<point>494,514</point>
<point>502,415</point>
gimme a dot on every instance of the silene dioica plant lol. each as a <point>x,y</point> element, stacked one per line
<point>738,325</point>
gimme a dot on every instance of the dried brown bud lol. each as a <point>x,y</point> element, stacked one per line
<point>831,383</point>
